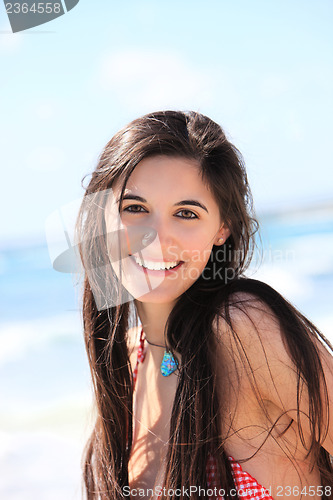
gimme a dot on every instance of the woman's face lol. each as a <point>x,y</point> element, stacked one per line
<point>166,198</point>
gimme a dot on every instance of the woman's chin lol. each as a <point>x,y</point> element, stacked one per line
<point>158,297</point>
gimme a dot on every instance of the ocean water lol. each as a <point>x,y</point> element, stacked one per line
<point>45,403</point>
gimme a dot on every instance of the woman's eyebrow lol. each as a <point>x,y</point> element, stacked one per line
<point>133,197</point>
<point>183,202</point>
<point>191,202</point>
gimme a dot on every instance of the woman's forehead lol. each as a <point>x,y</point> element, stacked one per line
<point>167,174</point>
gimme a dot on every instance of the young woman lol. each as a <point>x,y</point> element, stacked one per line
<point>207,384</point>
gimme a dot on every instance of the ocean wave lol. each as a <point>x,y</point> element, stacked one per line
<point>17,338</point>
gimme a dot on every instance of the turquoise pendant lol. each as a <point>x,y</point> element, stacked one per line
<point>169,364</point>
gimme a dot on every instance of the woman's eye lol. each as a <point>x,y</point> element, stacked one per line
<point>137,209</point>
<point>188,214</point>
<point>133,209</point>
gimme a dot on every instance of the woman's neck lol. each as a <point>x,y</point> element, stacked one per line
<point>153,318</point>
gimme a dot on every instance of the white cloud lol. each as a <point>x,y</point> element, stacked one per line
<point>46,109</point>
<point>155,79</point>
<point>273,86</point>
<point>294,127</point>
<point>45,159</point>
<point>9,42</point>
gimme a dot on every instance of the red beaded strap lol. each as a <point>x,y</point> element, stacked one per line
<point>140,358</point>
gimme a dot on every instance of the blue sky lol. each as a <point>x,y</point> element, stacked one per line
<point>262,69</point>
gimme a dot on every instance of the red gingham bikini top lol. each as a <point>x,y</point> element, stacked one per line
<point>250,488</point>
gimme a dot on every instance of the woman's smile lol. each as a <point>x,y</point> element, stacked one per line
<point>157,266</point>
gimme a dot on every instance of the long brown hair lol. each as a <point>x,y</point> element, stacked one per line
<point>195,428</point>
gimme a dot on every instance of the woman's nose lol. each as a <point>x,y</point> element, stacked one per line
<point>164,235</point>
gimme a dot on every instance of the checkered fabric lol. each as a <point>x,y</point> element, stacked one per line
<point>248,487</point>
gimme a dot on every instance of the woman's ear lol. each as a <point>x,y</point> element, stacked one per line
<point>222,235</point>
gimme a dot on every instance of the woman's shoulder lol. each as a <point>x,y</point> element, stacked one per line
<point>257,313</point>
<point>252,336</point>
<point>246,314</point>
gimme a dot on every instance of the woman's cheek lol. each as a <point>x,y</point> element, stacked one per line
<point>199,256</point>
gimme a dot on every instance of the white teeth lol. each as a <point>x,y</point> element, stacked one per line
<point>155,266</point>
